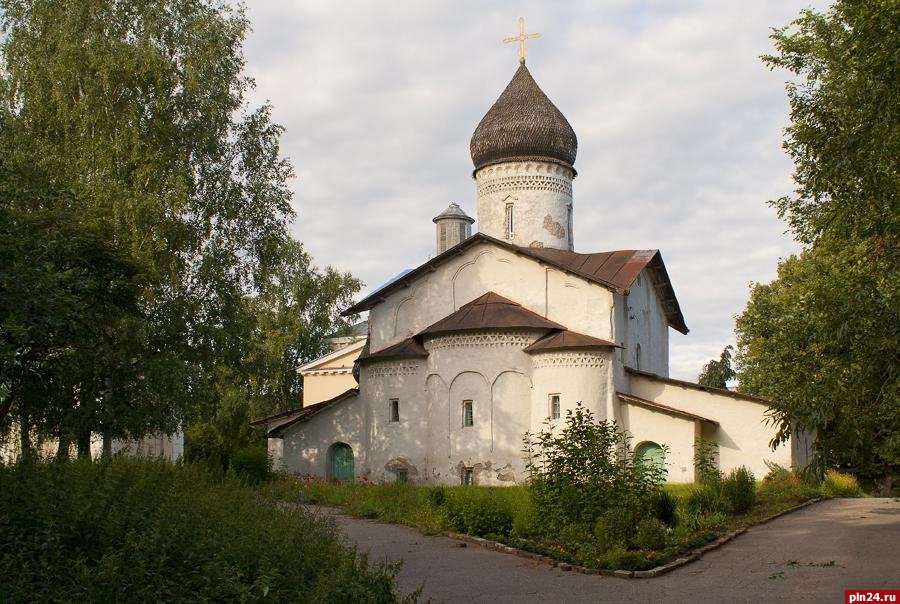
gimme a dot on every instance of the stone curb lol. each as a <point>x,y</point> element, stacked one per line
<point>695,554</point>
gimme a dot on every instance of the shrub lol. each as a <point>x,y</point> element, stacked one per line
<point>707,499</point>
<point>525,520</point>
<point>780,483</point>
<point>650,534</point>
<point>615,527</point>
<point>133,530</point>
<point>251,463</point>
<point>739,490</point>
<point>478,511</point>
<point>706,461</point>
<point>437,496</point>
<point>836,484</point>
<point>665,507</point>
<point>585,469</point>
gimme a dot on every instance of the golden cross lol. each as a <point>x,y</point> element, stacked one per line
<point>521,39</point>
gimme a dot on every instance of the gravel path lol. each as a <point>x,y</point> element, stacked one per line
<point>812,555</point>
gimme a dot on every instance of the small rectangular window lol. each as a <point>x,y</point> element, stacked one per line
<point>395,410</point>
<point>462,231</point>
<point>554,406</point>
<point>403,476</point>
<point>468,415</point>
<point>468,476</point>
<point>510,221</point>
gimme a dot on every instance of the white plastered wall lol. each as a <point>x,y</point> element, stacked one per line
<point>401,445</point>
<point>743,434</point>
<point>577,303</point>
<point>490,369</point>
<point>305,445</point>
<point>642,329</point>
<point>578,376</point>
<point>677,433</point>
<point>541,194</point>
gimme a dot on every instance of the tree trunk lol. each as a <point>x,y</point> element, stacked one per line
<point>83,444</point>
<point>25,445</point>
<point>62,450</point>
<point>107,445</point>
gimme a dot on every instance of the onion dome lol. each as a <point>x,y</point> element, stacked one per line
<point>523,124</point>
<point>453,211</point>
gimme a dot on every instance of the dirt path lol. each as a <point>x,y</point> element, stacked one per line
<point>812,555</point>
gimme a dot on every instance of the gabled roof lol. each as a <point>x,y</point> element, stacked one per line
<point>619,268</point>
<point>277,424</point>
<point>560,340</point>
<point>693,386</point>
<point>615,270</point>
<point>406,349</point>
<point>490,311</point>
<point>332,355</point>
<point>628,398</point>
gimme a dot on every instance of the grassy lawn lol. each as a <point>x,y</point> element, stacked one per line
<point>508,515</point>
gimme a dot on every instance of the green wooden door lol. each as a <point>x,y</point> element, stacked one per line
<point>651,454</point>
<point>341,462</point>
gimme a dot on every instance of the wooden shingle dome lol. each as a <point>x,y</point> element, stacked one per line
<point>523,124</point>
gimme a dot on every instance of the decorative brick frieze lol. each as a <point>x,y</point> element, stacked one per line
<point>568,359</point>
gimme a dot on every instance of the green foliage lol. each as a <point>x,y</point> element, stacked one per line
<point>616,526</point>
<point>782,484</point>
<point>585,469</point>
<point>717,374</point>
<point>706,461</point>
<point>251,463</point>
<point>844,136</point>
<point>731,494</point>
<point>821,341</point>
<point>707,498</point>
<point>478,511</point>
<point>836,484</point>
<point>171,195</point>
<point>739,490</point>
<point>135,531</point>
<point>650,534</point>
<point>665,507</point>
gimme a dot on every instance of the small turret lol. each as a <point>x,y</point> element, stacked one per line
<point>453,226</point>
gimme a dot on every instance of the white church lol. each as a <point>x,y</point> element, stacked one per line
<point>509,328</point>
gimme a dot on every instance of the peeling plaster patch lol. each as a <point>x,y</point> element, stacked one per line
<point>536,243</point>
<point>478,468</point>
<point>553,227</point>
<point>506,474</point>
<point>400,463</point>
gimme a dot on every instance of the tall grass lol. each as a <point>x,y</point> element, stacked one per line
<point>136,530</point>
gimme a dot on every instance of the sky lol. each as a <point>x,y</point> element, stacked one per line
<point>679,127</point>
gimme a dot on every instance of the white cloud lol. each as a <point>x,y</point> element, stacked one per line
<point>679,127</point>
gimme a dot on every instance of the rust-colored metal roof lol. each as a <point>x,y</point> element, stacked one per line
<point>636,400</point>
<point>559,340</point>
<point>487,312</point>
<point>616,270</point>
<point>407,349</point>
<point>619,268</point>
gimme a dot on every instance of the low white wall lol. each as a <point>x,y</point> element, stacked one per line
<point>305,445</point>
<point>676,433</point>
<point>743,434</point>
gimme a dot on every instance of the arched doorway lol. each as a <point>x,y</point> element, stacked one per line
<point>340,462</point>
<point>650,454</point>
